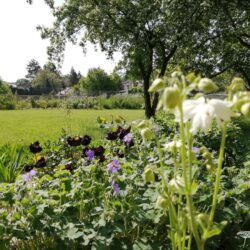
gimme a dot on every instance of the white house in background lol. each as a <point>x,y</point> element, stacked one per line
<point>65,92</point>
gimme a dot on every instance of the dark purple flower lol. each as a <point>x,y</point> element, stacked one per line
<point>28,176</point>
<point>99,151</point>
<point>112,136</point>
<point>86,140</point>
<point>114,166</point>
<point>84,150</point>
<point>35,147</point>
<point>123,132</point>
<point>102,158</point>
<point>75,141</point>
<point>130,144</point>
<point>90,154</point>
<point>41,162</point>
<point>69,166</point>
<point>28,167</point>
<point>120,154</point>
<point>116,187</point>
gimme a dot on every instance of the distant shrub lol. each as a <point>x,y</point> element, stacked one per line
<point>7,102</point>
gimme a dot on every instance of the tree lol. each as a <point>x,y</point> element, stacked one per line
<point>73,77</point>
<point>97,80</point>
<point>51,67</point>
<point>33,68</point>
<point>154,36</point>
<point>222,41</point>
<point>147,33</point>
<point>4,88</point>
<point>46,82</point>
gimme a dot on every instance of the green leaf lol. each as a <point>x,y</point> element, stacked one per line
<point>73,233</point>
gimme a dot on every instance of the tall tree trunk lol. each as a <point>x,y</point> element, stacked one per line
<point>149,111</point>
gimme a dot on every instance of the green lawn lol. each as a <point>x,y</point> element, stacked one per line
<point>26,126</point>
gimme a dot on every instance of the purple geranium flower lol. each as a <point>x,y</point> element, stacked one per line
<point>114,166</point>
<point>116,187</point>
<point>28,177</point>
<point>90,154</point>
<point>127,138</point>
<point>196,150</point>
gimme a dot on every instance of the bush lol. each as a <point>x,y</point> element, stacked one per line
<point>7,102</point>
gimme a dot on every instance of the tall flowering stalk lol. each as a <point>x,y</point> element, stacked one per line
<point>193,115</point>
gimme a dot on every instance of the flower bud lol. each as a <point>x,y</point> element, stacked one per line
<point>245,110</point>
<point>146,134</point>
<point>161,202</point>
<point>211,168</point>
<point>148,174</point>
<point>207,85</point>
<point>176,74</point>
<point>156,85</point>
<point>118,120</point>
<point>172,146</point>
<point>177,185</point>
<point>240,99</point>
<point>171,97</point>
<point>142,124</point>
<point>236,85</point>
<point>202,220</point>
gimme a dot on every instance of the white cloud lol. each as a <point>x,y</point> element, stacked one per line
<point>20,42</point>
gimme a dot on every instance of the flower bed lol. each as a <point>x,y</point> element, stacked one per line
<point>159,184</point>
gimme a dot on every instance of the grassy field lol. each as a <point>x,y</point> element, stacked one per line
<point>26,126</point>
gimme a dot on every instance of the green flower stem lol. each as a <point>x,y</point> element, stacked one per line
<point>189,242</point>
<point>172,212</point>
<point>190,145</point>
<point>186,183</point>
<point>218,176</point>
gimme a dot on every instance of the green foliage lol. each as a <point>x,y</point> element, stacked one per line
<point>122,102</point>
<point>97,80</point>
<point>51,67</point>
<point>4,88</point>
<point>79,209</point>
<point>33,68</point>
<point>135,90</point>
<point>11,161</point>
<point>73,77</point>
<point>7,100</point>
<point>47,82</point>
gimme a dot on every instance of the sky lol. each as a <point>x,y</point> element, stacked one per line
<point>20,42</point>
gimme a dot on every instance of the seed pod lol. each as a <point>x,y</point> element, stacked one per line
<point>146,134</point>
<point>245,110</point>
<point>171,97</point>
<point>207,85</point>
<point>156,85</point>
<point>149,175</point>
<point>161,202</point>
<point>237,84</point>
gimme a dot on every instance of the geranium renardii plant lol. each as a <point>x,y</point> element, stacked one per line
<point>193,113</point>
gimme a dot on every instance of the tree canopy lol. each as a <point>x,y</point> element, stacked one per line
<point>201,35</point>
<point>33,68</point>
<point>46,82</point>
<point>97,80</point>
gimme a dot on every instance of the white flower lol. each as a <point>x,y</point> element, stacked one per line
<point>202,112</point>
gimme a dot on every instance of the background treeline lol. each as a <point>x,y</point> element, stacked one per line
<point>48,80</point>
